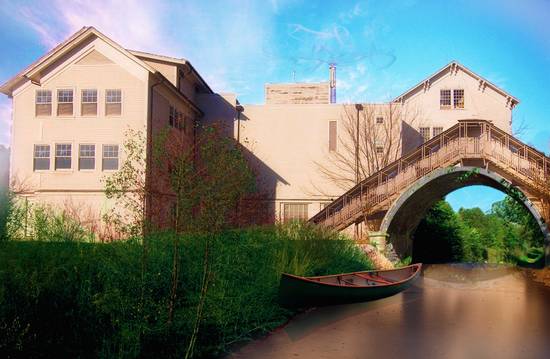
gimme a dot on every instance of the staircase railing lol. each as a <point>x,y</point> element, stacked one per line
<point>477,139</point>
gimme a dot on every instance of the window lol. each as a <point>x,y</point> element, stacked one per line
<point>445,99</point>
<point>379,149</point>
<point>436,131</point>
<point>425,133</point>
<point>43,103</point>
<point>332,136</point>
<point>86,157</point>
<point>458,98</point>
<point>110,157</point>
<point>380,120</point>
<point>113,102</point>
<point>63,155</point>
<point>41,158</point>
<point>172,117</point>
<point>89,103</point>
<point>64,102</point>
<point>295,212</point>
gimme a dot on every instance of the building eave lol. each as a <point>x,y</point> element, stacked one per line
<point>173,60</point>
<point>33,70</point>
<point>479,78</point>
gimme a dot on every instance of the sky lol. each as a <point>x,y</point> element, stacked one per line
<point>381,48</point>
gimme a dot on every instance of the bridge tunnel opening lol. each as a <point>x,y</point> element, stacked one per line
<point>419,225</point>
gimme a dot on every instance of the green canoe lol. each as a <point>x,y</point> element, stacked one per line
<point>295,291</point>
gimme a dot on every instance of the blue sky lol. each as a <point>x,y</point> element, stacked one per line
<point>381,47</point>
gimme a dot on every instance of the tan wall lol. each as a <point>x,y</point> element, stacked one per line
<point>168,70</point>
<point>479,103</point>
<point>178,142</point>
<point>58,186</point>
<point>288,140</point>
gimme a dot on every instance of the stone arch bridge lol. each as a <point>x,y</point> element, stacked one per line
<point>392,202</point>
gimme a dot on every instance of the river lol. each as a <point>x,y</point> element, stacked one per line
<point>452,311</point>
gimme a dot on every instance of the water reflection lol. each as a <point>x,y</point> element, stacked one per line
<point>452,311</point>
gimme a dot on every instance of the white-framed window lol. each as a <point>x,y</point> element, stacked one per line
<point>295,212</point>
<point>458,98</point>
<point>88,102</point>
<point>436,131</point>
<point>113,102</point>
<point>86,157</point>
<point>379,120</point>
<point>445,99</point>
<point>41,158</point>
<point>65,102</point>
<point>425,133</point>
<point>110,158</point>
<point>43,103</point>
<point>332,135</point>
<point>63,156</point>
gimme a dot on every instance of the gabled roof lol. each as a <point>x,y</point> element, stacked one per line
<point>456,65</point>
<point>173,60</point>
<point>32,72</point>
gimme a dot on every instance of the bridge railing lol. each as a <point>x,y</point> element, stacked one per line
<point>467,139</point>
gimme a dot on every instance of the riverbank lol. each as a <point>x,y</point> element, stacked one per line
<point>541,276</point>
<point>73,299</point>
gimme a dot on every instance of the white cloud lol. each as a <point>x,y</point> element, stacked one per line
<point>5,121</point>
<point>132,24</point>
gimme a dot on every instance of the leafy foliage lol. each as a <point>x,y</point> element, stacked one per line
<point>128,187</point>
<point>73,299</point>
<point>505,234</point>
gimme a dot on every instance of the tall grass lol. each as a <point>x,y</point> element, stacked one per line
<point>74,299</point>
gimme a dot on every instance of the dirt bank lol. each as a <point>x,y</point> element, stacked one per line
<point>541,275</point>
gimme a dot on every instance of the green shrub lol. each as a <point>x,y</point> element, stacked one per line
<point>74,299</point>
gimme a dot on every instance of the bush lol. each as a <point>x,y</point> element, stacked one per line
<point>74,299</point>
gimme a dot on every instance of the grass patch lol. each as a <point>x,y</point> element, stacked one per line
<point>74,299</point>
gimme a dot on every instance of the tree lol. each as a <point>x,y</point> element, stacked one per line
<point>128,188</point>
<point>205,179</point>
<point>437,238</point>
<point>520,223</point>
<point>372,137</point>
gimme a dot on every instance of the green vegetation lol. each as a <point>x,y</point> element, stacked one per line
<point>508,233</point>
<point>192,292</point>
<point>63,297</point>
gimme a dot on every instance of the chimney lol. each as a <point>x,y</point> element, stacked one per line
<point>332,71</point>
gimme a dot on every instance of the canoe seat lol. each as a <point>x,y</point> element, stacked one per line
<point>340,279</point>
<point>371,278</point>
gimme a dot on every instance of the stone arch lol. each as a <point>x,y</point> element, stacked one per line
<point>405,214</point>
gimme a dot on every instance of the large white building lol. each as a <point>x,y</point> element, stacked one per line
<point>72,106</point>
